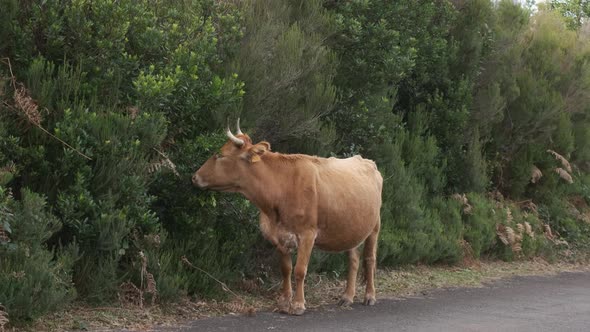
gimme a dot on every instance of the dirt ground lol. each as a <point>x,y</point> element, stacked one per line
<point>320,291</point>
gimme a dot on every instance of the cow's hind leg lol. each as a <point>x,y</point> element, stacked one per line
<point>370,258</point>
<point>286,291</point>
<point>303,254</point>
<point>353,266</point>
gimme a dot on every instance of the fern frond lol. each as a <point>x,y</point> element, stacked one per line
<point>536,174</point>
<point>564,175</point>
<point>165,162</point>
<point>564,162</point>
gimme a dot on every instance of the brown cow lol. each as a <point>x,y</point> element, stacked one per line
<point>304,201</point>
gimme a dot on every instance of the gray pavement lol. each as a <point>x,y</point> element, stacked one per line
<point>554,303</point>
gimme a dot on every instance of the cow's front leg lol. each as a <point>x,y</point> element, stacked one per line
<point>286,292</point>
<point>306,241</point>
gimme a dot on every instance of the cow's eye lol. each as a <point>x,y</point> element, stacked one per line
<point>218,156</point>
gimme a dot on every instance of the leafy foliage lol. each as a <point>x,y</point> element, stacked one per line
<point>108,107</point>
<point>33,279</point>
<point>575,12</point>
<point>288,71</point>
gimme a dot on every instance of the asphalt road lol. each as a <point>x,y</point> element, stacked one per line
<point>556,303</point>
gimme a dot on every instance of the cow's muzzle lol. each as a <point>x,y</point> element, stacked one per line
<point>198,181</point>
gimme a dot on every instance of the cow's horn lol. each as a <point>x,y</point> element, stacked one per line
<point>237,141</point>
<point>239,130</point>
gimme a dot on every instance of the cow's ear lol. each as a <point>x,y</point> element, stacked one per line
<point>254,153</point>
<point>265,145</point>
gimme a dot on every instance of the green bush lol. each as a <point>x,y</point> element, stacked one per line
<point>119,102</point>
<point>33,278</point>
<point>417,225</point>
<point>148,97</point>
<point>480,225</point>
<point>448,236</point>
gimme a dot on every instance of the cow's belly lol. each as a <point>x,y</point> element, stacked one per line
<point>346,219</point>
<point>336,235</point>
<point>349,201</point>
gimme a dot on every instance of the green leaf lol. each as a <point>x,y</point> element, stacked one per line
<point>6,227</point>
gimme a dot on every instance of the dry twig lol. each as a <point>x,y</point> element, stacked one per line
<point>241,307</point>
<point>528,205</point>
<point>151,282</point>
<point>130,294</point>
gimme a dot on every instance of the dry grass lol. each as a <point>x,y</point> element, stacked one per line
<point>162,162</point>
<point>27,106</point>
<point>564,162</point>
<point>536,174</point>
<point>3,318</point>
<point>418,279</point>
<point>3,235</point>
<point>564,175</point>
<point>462,198</point>
<point>80,316</point>
<point>322,293</point>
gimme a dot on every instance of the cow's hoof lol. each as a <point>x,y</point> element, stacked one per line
<point>344,301</point>
<point>283,305</point>
<point>297,309</point>
<point>284,309</point>
<point>370,301</point>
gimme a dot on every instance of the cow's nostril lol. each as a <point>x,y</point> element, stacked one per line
<point>197,181</point>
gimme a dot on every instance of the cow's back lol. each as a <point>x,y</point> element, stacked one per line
<point>349,202</point>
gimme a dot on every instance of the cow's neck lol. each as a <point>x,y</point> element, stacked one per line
<point>262,187</point>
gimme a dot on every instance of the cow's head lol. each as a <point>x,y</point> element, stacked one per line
<point>226,170</point>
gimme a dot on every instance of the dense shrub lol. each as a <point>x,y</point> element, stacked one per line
<point>130,124</point>
<point>480,225</point>
<point>33,278</point>
<point>417,225</point>
<point>108,107</point>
